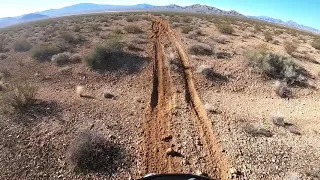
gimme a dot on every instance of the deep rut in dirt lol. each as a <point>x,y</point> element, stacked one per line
<point>159,122</point>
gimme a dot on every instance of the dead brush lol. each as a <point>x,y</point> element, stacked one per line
<point>21,95</point>
<point>290,47</point>
<point>90,152</point>
<point>201,49</point>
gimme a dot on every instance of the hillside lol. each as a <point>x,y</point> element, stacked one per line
<point>9,21</point>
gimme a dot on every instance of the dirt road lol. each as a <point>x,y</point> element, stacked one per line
<point>188,132</point>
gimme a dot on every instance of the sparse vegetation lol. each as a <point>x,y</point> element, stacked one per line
<point>201,49</point>
<point>186,29</point>
<point>133,18</point>
<point>22,45</point>
<point>4,73</point>
<point>44,52</point>
<point>76,28</point>
<point>90,152</point>
<point>225,28</point>
<point>61,58</point>
<point>134,29</point>
<point>21,96</point>
<point>187,19</point>
<point>105,53</point>
<point>290,46</point>
<point>277,66</point>
<point>316,43</point>
<point>267,35</point>
<point>3,43</point>
<point>282,89</point>
<point>95,27</point>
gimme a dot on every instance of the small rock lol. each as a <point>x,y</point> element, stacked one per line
<point>37,74</point>
<point>167,138</point>
<point>278,120</point>
<point>3,56</point>
<point>108,95</point>
<point>294,129</point>
<point>171,152</point>
<point>80,90</point>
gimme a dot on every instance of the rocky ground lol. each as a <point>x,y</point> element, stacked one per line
<point>240,102</point>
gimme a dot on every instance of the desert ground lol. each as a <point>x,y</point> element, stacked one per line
<point>121,95</point>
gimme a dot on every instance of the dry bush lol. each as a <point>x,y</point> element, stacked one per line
<point>91,152</point>
<point>175,19</point>
<point>117,31</point>
<point>201,49</point>
<point>278,32</point>
<point>132,18</point>
<point>257,28</point>
<point>70,38</point>
<point>4,73</point>
<point>257,131</point>
<point>61,58</point>
<point>76,28</point>
<point>282,89</point>
<point>187,19</point>
<point>44,52</point>
<point>199,32</point>
<point>134,29</point>
<point>316,43</point>
<point>277,66</point>
<point>186,29</point>
<point>290,46</point>
<point>225,28</point>
<point>146,18</point>
<point>267,35</point>
<point>21,96</point>
<point>95,27</point>
<point>22,45</point>
<point>3,43</point>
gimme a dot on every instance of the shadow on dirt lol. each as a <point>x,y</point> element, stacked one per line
<point>36,113</point>
<point>215,77</point>
<point>124,62</point>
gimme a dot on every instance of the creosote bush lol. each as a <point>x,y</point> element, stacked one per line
<point>22,45</point>
<point>91,152</point>
<point>61,58</point>
<point>316,43</point>
<point>290,47</point>
<point>201,49</point>
<point>267,35</point>
<point>44,52</point>
<point>225,28</point>
<point>186,29</point>
<point>134,29</point>
<point>277,66</point>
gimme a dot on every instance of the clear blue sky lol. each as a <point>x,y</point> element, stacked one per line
<point>306,12</point>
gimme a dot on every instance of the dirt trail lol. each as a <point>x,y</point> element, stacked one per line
<point>159,121</point>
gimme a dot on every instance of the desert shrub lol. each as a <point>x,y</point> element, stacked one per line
<point>175,19</point>
<point>187,19</point>
<point>68,37</point>
<point>133,47</point>
<point>186,29</point>
<point>77,28</point>
<point>3,43</point>
<point>146,18</point>
<point>200,49</point>
<point>133,29</point>
<point>278,32</point>
<point>316,43</point>
<point>267,35</point>
<point>225,28</point>
<point>290,47</point>
<point>104,52</point>
<point>117,31</point>
<point>91,152</point>
<point>95,27</point>
<point>132,18</point>
<point>44,52</point>
<point>21,95</point>
<point>257,28</point>
<point>4,73</point>
<point>199,32</point>
<point>210,74</point>
<point>22,45</point>
<point>61,58</point>
<point>277,66</point>
<point>282,89</point>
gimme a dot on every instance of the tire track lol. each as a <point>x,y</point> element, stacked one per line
<point>158,120</point>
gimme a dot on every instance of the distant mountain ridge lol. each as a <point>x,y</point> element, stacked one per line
<point>288,23</point>
<point>84,8</point>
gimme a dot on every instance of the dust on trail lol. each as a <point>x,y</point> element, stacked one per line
<point>159,121</point>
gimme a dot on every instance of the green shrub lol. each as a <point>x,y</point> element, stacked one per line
<point>267,35</point>
<point>22,45</point>
<point>290,47</point>
<point>277,66</point>
<point>200,49</point>
<point>133,29</point>
<point>44,52</point>
<point>103,54</point>
<point>225,28</point>
<point>21,96</point>
<point>316,43</point>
